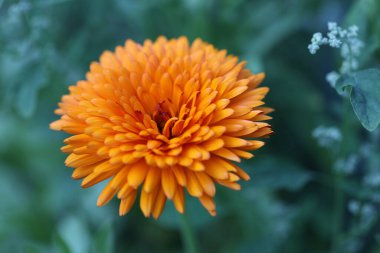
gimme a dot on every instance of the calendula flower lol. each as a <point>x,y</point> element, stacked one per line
<point>160,118</point>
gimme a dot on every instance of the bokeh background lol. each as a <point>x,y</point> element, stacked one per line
<point>303,197</point>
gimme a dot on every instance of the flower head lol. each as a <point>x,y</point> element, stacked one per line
<point>346,39</point>
<point>160,118</point>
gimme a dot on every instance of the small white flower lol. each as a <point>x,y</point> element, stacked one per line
<point>316,41</point>
<point>334,41</point>
<point>317,37</point>
<point>346,166</point>
<point>345,68</point>
<point>372,179</point>
<point>332,77</point>
<point>356,46</point>
<point>327,136</point>
<point>345,51</point>
<point>313,48</point>
<point>342,33</point>
<point>353,31</point>
<point>332,26</point>
<point>354,206</point>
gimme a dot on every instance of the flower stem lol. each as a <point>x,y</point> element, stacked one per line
<point>338,210</point>
<point>188,237</point>
<point>339,196</point>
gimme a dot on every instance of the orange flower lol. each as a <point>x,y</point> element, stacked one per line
<point>162,117</point>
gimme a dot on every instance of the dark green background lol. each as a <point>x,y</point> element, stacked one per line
<point>289,206</point>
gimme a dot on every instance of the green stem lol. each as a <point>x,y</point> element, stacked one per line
<point>338,211</point>
<point>339,178</point>
<point>188,237</point>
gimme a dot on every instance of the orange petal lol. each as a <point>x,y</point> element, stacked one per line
<point>168,183</point>
<point>213,144</point>
<point>137,174</point>
<point>159,205</point>
<point>120,178</point>
<point>146,202</point>
<point>231,185</point>
<point>106,195</point>
<point>95,178</point>
<point>206,183</point>
<point>74,160</point>
<point>180,175</point>
<point>197,166</point>
<point>215,170</point>
<point>82,171</point>
<point>242,153</point>
<point>106,166</point>
<point>222,114</point>
<point>152,179</point>
<point>242,174</point>
<point>233,142</point>
<point>193,186</point>
<point>179,200</point>
<point>226,153</point>
<point>125,191</point>
<point>209,204</point>
<point>127,203</point>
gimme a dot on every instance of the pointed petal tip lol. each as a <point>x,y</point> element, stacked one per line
<point>121,213</point>
<point>56,125</point>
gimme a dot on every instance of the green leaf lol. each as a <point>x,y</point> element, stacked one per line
<point>59,245</point>
<point>361,11</point>
<point>32,247</point>
<point>197,214</point>
<point>74,233</point>
<point>280,174</point>
<point>104,238</point>
<point>364,89</point>
<point>274,34</point>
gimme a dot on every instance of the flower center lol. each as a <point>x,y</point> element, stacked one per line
<point>161,116</point>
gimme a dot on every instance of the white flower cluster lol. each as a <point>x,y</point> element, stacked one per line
<point>316,42</point>
<point>345,39</point>
<point>327,136</point>
<point>346,166</point>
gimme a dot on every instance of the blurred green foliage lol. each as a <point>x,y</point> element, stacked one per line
<point>364,93</point>
<point>290,205</point>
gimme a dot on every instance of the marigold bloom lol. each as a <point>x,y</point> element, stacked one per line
<point>160,118</point>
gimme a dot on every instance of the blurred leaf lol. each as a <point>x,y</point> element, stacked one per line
<point>26,101</point>
<point>255,64</point>
<point>274,33</point>
<point>11,185</point>
<point>280,174</point>
<point>28,94</point>
<point>34,248</point>
<point>365,14</point>
<point>195,212</point>
<point>104,239</point>
<point>74,234</point>
<point>361,11</point>
<point>60,246</point>
<point>262,217</point>
<point>22,77</point>
<point>364,89</point>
